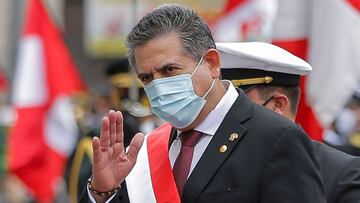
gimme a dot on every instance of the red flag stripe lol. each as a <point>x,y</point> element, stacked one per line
<point>231,4</point>
<point>355,4</point>
<point>3,82</point>
<point>306,116</point>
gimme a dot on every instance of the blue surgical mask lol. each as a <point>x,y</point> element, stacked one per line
<point>173,99</point>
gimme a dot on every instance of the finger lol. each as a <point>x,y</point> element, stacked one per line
<point>112,128</point>
<point>96,150</point>
<point>119,128</point>
<point>135,146</point>
<point>104,133</point>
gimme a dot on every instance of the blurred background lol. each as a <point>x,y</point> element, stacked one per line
<point>63,66</point>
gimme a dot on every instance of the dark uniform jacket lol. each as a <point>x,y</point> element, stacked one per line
<point>272,161</point>
<point>341,174</point>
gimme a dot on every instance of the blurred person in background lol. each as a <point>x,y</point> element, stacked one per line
<point>354,136</point>
<point>344,133</point>
<point>276,87</point>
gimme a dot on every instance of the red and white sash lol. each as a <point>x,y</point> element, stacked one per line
<point>151,180</point>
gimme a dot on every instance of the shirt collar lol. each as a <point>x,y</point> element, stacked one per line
<point>212,122</point>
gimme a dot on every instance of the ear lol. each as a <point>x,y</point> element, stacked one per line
<point>212,58</point>
<point>281,104</point>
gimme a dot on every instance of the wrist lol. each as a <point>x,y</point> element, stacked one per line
<point>100,193</point>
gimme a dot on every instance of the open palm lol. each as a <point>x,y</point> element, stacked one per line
<point>111,163</point>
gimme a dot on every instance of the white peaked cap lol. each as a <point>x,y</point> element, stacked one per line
<point>246,60</point>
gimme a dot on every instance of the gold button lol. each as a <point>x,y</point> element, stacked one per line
<point>233,137</point>
<point>223,148</point>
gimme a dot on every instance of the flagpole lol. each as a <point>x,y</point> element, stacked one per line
<point>17,8</point>
<point>133,91</point>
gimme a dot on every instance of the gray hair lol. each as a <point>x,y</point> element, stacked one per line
<point>195,35</point>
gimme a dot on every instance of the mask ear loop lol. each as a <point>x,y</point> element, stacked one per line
<point>212,85</point>
<point>213,82</point>
<point>198,65</point>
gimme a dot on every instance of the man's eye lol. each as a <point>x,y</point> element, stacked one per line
<point>169,69</point>
<point>145,79</point>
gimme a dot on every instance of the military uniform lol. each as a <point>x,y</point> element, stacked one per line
<point>273,66</point>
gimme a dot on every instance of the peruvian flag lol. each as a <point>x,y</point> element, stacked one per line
<point>45,131</point>
<point>326,33</point>
<point>245,20</point>
<point>271,20</point>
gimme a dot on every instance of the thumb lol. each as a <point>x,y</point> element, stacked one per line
<point>135,146</point>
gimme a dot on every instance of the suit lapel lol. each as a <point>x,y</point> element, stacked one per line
<point>172,137</point>
<point>213,156</point>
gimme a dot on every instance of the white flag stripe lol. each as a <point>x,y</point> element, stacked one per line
<point>30,85</point>
<point>291,20</point>
<point>60,129</point>
<point>335,57</point>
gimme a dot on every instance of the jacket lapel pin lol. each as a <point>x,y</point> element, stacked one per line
<point>233,137</point>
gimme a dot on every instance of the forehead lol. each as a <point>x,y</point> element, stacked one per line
<point>159,51</point>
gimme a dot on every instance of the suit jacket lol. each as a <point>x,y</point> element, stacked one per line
<point>272,160</point>
<point>347,148</point>
<point>341,174</point>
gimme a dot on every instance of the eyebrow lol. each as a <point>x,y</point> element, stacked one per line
<point>166,66</point>
<point>159,69</point>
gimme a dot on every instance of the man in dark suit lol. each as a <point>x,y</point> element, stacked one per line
<point>280,93</point>
<point>217,146</point>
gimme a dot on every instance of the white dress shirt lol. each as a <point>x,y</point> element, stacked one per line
<point>208,127</point>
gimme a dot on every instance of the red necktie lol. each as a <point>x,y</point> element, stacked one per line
<point>183,161</point>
